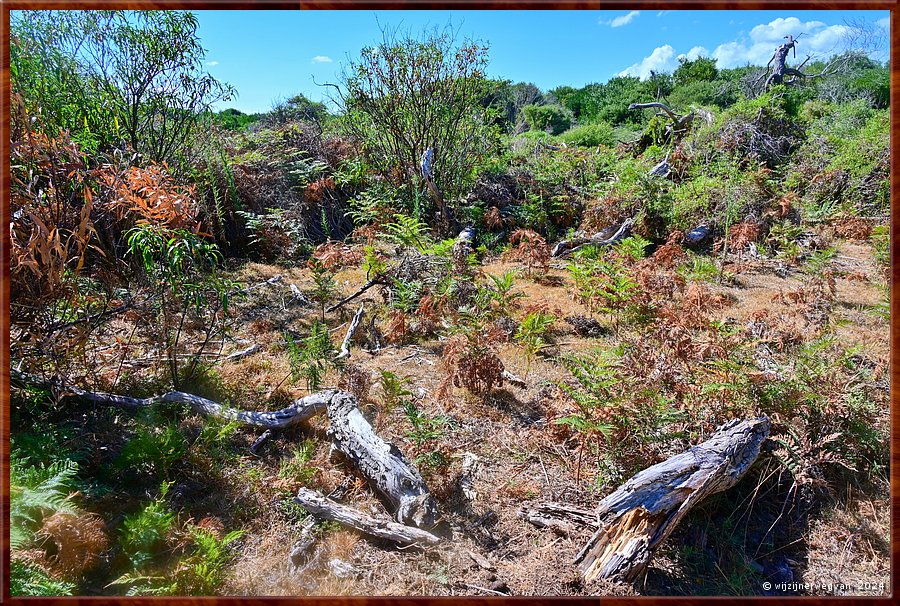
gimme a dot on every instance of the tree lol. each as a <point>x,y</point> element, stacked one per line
<point>112,76</point>
<point>299,108</point>
<point>406,96</point>
<point>701,69</point>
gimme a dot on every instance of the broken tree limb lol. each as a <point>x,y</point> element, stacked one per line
<point>301,410</point>
<point>379,279</point>
<point>638,517</point>
<point>564,248</point>
<point>326,509</point>
<point>345,346</point>
<point>387,470</point>
<point>243,353</point>
<point>662,106</point>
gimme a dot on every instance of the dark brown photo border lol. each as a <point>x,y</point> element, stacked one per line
<point>894,36</point>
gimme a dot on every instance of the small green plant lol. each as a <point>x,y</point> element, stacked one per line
<point>325,286</point>
<point>373,263</point>
<point>395,389</point>
<point>698,268</point>
<point>298,468</point>
<point>425,428</point>
<point>409,232</point>
<point>501,291</point>
<point>144,532</point>
<point>29,580</point>
<point>311,358</point>
<point>530,335</point>
<point>153,449</point>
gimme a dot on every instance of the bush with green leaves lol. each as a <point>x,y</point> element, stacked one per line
<point>35,493</point>
<point>553,119</point>
<point>311,358</point>
<point>407,95</point>
<point>531,335</point>
<point>590,135</point>
<point>115,76</point>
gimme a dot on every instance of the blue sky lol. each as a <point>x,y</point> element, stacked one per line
<point>269,55</point>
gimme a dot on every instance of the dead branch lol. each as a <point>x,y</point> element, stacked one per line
<point>326,509</point>
<point>345,346</point>
<point>561,517</point>
<point>638,517</point>
<point>564,248</point>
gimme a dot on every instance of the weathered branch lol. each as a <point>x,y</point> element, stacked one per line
<point>658,105</point>
<point>345,346</point>
<point>560,516</point>
<point>326,509</point>
<point>564,248</point>
<point>379,279</point>
<point>638,517</point>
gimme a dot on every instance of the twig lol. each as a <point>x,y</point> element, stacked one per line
<point>345,346</point>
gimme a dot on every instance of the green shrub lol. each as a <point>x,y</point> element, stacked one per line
<point>550,118</point>
<point>153,450</point>
<point>145,532</point>
<point>590,135</point>
<point>29,580</point>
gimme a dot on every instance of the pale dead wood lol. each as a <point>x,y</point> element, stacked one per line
<point>564,248</point>
<point>344,352</point>
<point>326,509</point>
<point>637,518</point>
<point>561,517</point>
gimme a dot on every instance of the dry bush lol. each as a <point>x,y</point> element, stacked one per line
<point>428,316</point>
<point>149,195</point>
<point>531,249</point>
<point>851,228</point>
<point>317,190</point>
<point>741,235</point>
<point>335,255</point>
<point>79,540</point>
<point>670,253</point>
<point>398,327</point>
<point>471,362</point>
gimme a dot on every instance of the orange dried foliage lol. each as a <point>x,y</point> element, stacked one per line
<point>671,252</point>
<point>334,255</point>
<point>316,190</point>
<point>472,363</point>
<point>79,540</point>
<point>852,228</point>
<point>531,249</point>
<point>398,327</point>
<point>742,234</point>
<point>151,196</point>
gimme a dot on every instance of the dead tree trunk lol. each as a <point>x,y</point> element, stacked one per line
<point>385,467</point>
<point>636,518</point>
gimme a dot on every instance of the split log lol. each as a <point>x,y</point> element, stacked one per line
<point>345,346</point>
<point>243,353</point>
<point>385,467</point>
<point>326,509</point>
<point>564,248</point>
<point>635,519</point>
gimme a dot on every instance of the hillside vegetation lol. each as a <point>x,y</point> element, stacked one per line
<point>160,246</point>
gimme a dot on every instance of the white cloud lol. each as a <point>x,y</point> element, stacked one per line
<point>661,13</point>
<point>321,59</point>
<point>212,63</point>
<point>621,19</point>
<point>818,39</point>
<point>694,53</point>
<point>885,23</point>
<point>662,59</point>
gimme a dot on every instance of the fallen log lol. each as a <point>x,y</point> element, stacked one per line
<point>385,467</point>
<point>326,509</point>
<point>564,248</point>
<point>637,518</point>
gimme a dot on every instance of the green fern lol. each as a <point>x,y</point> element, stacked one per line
<point>36,492</point>
<point>26,579</point>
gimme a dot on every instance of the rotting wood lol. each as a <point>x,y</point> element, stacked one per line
<point>326,509</point>
<point>382,463</point>
<point>344,352</point>
<point>561,517</point>
<point>564,248</point>
<point>637,518</point>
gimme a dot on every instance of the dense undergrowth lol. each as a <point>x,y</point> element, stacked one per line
<point>127,256</point>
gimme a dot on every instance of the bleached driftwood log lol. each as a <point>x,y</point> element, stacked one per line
<point>634,520</point>
<point>564,248</point>
<point>326,509</point>
<point>385,467</point>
